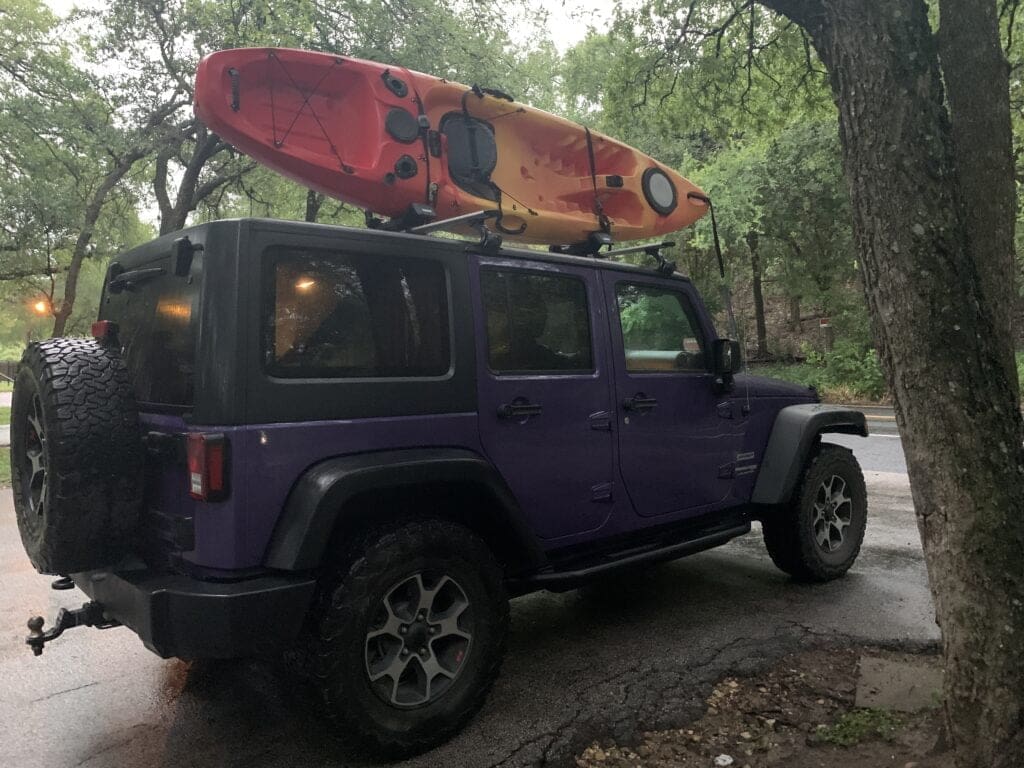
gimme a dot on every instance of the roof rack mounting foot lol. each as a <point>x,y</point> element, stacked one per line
<point>417,214</point>
<point>589,247</point>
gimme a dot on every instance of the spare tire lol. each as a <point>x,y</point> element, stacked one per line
<point>76,455</point>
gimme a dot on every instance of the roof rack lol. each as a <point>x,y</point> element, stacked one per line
<point>419,220</point>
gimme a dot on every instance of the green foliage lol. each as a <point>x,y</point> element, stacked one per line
<point>850,372</point>
<point>653,321</point>
<point>859,725</point>
<point>5,415</point>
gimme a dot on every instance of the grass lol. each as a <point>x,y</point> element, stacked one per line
<point>5,415</point>
<point>6,386</point>
<point>859,725</point>
<point>5,467</point>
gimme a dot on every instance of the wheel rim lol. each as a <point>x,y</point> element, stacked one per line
<point>419,640</point>
<point>36,485</point>
<point>833,513</point>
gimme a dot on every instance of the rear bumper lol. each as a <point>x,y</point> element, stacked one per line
<point>182,616</point>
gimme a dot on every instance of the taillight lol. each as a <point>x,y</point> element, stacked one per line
<point>104,330</point>
<point>207,466</point>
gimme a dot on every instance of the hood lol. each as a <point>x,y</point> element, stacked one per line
<point>762,386</point>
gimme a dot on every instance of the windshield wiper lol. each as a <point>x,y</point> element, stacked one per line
<point>134,277</point>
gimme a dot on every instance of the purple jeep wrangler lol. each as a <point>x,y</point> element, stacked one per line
<point>354,446</point>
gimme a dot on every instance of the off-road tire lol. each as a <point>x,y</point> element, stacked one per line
<point>78,391</point>
<point>789,533</point>
<point>373,563</point>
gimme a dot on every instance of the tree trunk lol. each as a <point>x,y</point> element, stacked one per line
<point>191,189</point>
<point>975,73</point>
<point>92,214</point>
<point>794,312</point>
<point>755,269</point>
<point>943,347</point>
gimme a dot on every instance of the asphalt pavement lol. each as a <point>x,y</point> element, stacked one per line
<point>636,652</point>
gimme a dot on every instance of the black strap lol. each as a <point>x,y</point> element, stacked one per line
<point>726,293</point>
<point>714,230</point>
<point>602,220</point>
<point>423,131</point>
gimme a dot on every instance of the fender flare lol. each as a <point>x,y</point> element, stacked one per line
<point>794,435</point>
<point>317,502</point>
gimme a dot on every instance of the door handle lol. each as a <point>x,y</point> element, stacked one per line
<point>518,410</point>
<point>639,402</point>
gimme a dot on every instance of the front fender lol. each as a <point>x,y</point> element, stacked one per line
<point>793,437</point>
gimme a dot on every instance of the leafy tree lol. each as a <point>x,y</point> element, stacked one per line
<point>67,150</point>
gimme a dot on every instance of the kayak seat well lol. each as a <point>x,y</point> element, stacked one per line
<point>472,153</point>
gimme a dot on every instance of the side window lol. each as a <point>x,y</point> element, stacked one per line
<point>659,330</point>
<point>340,315</point>
<point>536,323</point>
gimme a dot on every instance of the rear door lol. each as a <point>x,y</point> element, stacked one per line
<point>545,392</point>
<point>677,432</point>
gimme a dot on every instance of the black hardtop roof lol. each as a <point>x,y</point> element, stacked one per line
<point>161,245</point>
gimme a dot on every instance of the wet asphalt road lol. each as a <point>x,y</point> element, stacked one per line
<point>636,652</point>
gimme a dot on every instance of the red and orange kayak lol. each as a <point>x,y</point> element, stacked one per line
<point>383,138</point>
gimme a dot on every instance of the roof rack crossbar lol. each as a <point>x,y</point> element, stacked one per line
<point>477,218</point>
<point>652,249</point>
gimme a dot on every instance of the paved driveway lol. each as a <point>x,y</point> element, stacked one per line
<point>636,652</point>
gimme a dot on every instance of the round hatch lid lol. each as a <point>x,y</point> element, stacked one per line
<point>659,191</point>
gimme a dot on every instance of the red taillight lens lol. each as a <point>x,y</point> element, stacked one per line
<point>104,330</point>
<point>207,466</point>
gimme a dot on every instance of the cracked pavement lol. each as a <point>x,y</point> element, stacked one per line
<point>638,651</point>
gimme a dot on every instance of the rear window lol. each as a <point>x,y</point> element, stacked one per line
<point>330,314</point>
<point>157,316</point>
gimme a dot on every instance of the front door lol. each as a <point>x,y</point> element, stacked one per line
<point>545,391</point>
<point>677,432</point>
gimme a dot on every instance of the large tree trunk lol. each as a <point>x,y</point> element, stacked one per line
<point>755,270</point>
<point>944,349</point>
<point>975,73</point>
<point>192,189</point>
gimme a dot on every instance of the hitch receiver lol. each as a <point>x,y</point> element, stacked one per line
<point>89,615</point>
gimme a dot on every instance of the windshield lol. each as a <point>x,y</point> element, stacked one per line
<point>157,314</point>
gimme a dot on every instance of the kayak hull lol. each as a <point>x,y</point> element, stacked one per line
<point>384,138</point>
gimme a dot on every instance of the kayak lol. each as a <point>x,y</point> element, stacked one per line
<point>384,138</point>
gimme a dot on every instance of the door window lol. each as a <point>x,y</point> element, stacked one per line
<point>659,330</point>
<point>536,323</point>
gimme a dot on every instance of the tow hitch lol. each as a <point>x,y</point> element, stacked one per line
<point>89,615</point>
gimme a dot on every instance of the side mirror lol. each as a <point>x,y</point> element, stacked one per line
<point>728,358</point>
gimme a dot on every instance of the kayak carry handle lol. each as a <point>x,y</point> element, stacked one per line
<point>496,93</point>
